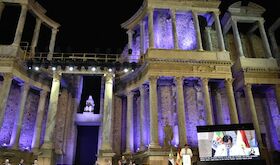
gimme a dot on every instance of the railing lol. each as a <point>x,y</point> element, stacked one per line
<point>81,57</point>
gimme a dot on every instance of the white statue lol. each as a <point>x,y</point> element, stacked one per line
<point>7,162</point>
<point>35,162</point>
<point>89,105</point>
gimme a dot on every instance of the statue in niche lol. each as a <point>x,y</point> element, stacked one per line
<point>89,105</point>
<point>168,135</point>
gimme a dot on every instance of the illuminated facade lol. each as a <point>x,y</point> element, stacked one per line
<point>193,72</point>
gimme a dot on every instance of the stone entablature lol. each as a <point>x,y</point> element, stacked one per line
<point>198,6</point>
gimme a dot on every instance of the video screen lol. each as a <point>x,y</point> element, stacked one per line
<point>227,142</point>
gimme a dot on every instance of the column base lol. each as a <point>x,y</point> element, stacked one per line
<point>46,157</point>
<point>104,157</point>
<point>154,146</point>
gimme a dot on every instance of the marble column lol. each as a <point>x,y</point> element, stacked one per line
<point>4,94</point>
<point>208,38</point>
<point>251,105</point>
<point>174,29</point>
<point>142,37</point>
<point>52,109</point>
<point>36,35</point>
<point>274,45</point>
<point>20,25</point>
<point>277,94</point>
<point>207,102</point>
<point>18,123</point>
<point>197,29</point>
<point>142,90</point>
<point>151,27</point>
<point>107,114</point>
<point>264,38</point>
<point>231,101</point>
<point>130,39</point>
<point>153,112</point>
<point>129,123</point>
<point>219,32</point>
<point>181,111</point>
<point>237,39</point>
<point>52,43</point>
<point>2,6</point>
<point>39,119</point>
<point>219,107</point>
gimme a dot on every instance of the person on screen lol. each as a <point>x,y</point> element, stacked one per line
<point>228,149</point>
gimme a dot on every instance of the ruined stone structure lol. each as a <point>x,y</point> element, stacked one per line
<point>193,72</point>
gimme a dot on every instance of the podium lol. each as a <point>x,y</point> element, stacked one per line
<point>187,160</point>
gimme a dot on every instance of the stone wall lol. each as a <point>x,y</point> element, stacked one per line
<point>11,111</point>
<point>29,119</point>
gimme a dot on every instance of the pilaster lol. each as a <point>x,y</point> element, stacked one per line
<point>231,101</point>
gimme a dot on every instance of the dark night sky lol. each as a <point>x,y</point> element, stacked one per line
<point>94,26</point>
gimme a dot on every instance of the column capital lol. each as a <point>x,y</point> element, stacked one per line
<point>179,79</point>
<point>7,76</point>
<point>153,78</point>
<point>234,20</point>
<point>130,32</point>
<point>23,6</point>
<point>204,80</point>
<point>208,28</point>
<point>54,30</point>
<point>143,88</point>
<point>194,12</point>
<point>248,86</point>
<point>150,9</point>
<point>130,93</point>
<point>57,76</point>
<point>216,13</point>
<point>43,93</point>
<point>38,20</point>
<point>229,80</point>
<point>261,21</point>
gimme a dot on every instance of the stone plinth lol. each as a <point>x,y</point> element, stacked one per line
<point>88,119</point>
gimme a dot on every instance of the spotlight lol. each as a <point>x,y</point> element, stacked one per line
<point>71,68</point>
<point>110,70</point>
<point>125,70</point>
<point>36,68</point>
<point>93,69</point>
<point>53,68</point>
<point>29,64</point>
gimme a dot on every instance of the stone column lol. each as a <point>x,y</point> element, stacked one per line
<point>174,28</point>
<point>151,28</point>
<point>237,39</point>
<point>2,6</point>
<point>18,123</point>
<point>207,102</point>
<point>38,125</point>
<point>52,109</point>
<point>130,39</point>
<point>153,113</point>
<point>231,101</point>
<point>142,36</point>
<point>129,123</point>
<point>52,43</point>
<point>275,48</point>
<point>277,94</point>
<point>4,94</point>
<point>251,105</point>
<point>264,38</point>
<point>181,111</point>
<point>208,38</point>
<point>107,114</point>
<point>219,32</point>
<point>197,29</point>
<point>36,35</point>
<point>219,107</point>
<point>142,90</point>
<point>20,25</point>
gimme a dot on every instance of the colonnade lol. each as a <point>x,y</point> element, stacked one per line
<point>173,13</point>
<point>40,18</point>
<point>180,104</point>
